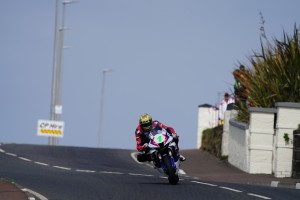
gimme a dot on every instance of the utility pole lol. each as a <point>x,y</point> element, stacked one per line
<point>54,75</point>
<point>102,106</point>
<point>56,95</point>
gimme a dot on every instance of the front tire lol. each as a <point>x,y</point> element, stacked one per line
<point>172,176</point>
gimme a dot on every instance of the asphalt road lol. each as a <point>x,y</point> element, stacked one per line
<point>70,173</point>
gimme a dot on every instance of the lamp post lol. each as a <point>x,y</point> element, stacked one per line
<point>102,105</point>
<point>54,75</point>
<point>61,51</point>
<point>56,108</point>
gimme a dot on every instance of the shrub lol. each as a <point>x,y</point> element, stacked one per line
<point>274,75</point>
<point>212,140</point>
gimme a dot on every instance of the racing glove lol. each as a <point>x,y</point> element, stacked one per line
<point>145,146</point>
<point>175,137</point>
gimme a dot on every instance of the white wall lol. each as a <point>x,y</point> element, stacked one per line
<point>251,147</point>
<point>229,114</point>
<point>261,139</point>
<point>288,118</point>
<point>238,143</point>
<point>260,147</point>
<point>207,118</point>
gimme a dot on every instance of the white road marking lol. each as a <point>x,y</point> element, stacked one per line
<point>274,183</point>
<point>202,183</point>
<point>25,159</point>
<point>231,189</point>
<point>163,177</point>
<point>91,171</point>
<point>133,174</point>
<point>106,172</point>
<point>40,163</point>
<point>149,165</point>
<point>86,171</point>
<point>259,196</point>
<point>11,154</point>
<point>41,197</point>
<point>133,156</point>
<point>65,168</point>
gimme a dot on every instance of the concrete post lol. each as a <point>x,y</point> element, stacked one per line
<point>288,118</point>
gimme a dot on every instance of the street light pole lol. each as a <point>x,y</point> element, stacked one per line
<point>56,107</point>
<point>102,105</point>
<point>54,75</point>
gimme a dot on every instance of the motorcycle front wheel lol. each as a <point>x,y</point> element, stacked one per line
<point>172,176</point>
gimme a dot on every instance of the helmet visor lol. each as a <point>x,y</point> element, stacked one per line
<point>146,126</point>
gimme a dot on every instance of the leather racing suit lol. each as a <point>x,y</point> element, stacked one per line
<point>142,140</point>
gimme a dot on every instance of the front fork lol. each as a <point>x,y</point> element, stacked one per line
<point>170,155</point>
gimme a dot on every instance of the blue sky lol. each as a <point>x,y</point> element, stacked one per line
<point>167,56</point>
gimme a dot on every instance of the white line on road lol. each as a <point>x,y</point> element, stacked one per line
<point>149,165</point>
<point>274,183</point>
<point>133,174</point>
<point>40,163</point>
<point>106,172</point>
<point>11,154</point>
<point>231,189</point>
<point>134,157</point>
<point>202,183</point>
<point>25,159</point>
<point>86,171</point>
<point>65,168</point>
<point>41,197</point>
<point>259,196</point>
<point>2,151</point>
<point>163,177</point>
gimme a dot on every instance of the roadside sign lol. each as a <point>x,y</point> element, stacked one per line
<point>50,128</point>
<point>58,109</point>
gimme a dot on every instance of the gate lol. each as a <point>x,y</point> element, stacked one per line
<point>296,154</point>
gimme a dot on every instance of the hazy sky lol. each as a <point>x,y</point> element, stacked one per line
<point>167,56</point>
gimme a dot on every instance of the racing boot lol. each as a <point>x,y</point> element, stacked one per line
<point>182,158</point>
<point>143,157</point>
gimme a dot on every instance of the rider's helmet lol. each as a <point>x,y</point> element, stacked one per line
<point>146,122</point>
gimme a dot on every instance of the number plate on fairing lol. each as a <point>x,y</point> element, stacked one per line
<point>159,138</point>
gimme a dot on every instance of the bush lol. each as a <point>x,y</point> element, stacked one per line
<point>274,75</point>
<point>212,140</point>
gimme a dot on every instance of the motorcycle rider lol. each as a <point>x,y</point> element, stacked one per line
<point>142,137</point>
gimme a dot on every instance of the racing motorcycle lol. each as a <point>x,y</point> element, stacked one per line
<point>165,154</point>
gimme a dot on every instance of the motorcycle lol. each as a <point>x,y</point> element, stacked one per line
<point>165,154</point>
